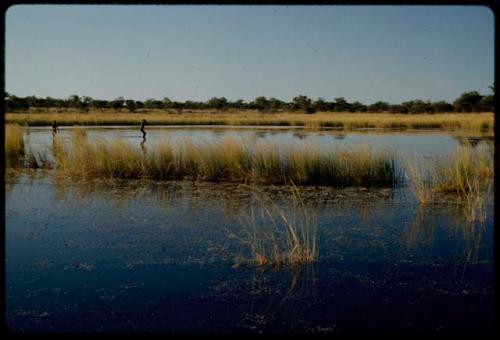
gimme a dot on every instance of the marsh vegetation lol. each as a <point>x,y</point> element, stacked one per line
<point>226,160</point>
<point>340,120</point>
<point>278,236</point>
<point>275,235</point>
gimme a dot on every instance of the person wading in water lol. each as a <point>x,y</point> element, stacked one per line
<point>143,124</point>
<point>54,127</point>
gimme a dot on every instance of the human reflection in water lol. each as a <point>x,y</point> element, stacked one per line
<point>143,145</point>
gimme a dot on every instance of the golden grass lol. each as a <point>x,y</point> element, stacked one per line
<point>465,167</point>
<point>227,160</point>
<point>467,173</point>
<point>14,146</point>
<point>340,120</point>
<point>279,236</point>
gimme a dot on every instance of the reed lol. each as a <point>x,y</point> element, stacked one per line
<point>422,185</point>
<point>277,236</point>
<point>473,200</point>
<point>14,146</point>
<point>465,166</point>
<point>467,173</point>
<point>479,122</point>
<point>227,160</point>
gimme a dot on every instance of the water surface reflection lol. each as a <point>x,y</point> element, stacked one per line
<point>146,255</point>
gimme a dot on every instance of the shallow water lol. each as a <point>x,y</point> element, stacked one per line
<point>422,143</point>
<point>159,256</point>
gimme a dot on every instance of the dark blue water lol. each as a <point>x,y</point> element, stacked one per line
<point>158,256</point>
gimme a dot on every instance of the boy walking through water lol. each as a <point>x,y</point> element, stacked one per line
<point>54,127</point>
<point>143,124</point>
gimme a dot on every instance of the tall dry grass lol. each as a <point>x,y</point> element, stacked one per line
<point>14,146</point>
<point>227,160</point>
<point>467,174</point>
<point>340,120</point>
<point>278,236</point>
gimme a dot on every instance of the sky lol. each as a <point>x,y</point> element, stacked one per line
<point>361,53</point>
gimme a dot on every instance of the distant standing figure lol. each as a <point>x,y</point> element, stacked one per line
<point>143,124</point>
<point>54,127</point>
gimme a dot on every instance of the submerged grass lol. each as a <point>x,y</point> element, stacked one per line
<point>227,160</point>
<point>340,120</point>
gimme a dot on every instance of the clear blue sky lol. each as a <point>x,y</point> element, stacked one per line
<point>364,53</point>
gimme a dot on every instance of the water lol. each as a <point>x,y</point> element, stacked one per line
<point>159,256</point>
<point>429,143</point>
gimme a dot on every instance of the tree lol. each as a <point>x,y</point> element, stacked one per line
<point>13,103</point>
<point>442,106</point>
<point>302,103</point>
<point>319,104</point>
<point>74,101</point>
<point>167,103</point>
<point>468,102</point>
<point>378,107</point>
<point>117,103</point>
<point>130,104</point>
<point>276,104</point>
<point>85,103</point>
<point>31,100</point>
<point>398,108</point>
<point>358,107</point>
<point>261,103</point>
<point>217,103</point>
<point>341,104</point>
<point>417,106</point>
<point>487,104</point>
<point>239,104</point>
<point>99,104</point>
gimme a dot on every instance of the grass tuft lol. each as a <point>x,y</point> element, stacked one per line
<point>14,146</point>
<point>277,236</point>
<point>227,160</point>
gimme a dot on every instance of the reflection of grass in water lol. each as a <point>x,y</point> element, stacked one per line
<point>227,160</point>
<point>422,232</point>
<point>11,178</point>
<point>270,296</point>
<point>421,229</point>
<point>278,236</point>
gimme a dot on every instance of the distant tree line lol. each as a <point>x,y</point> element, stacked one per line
<point>467,102</point>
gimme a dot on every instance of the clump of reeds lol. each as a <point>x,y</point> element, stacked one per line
<point>465,174</point>
<point>473,200</point>
<point>227,160</point>
<point>14,146</point>
<point>465,167</point>
<point>278,236</point>
<point>423,186</point>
